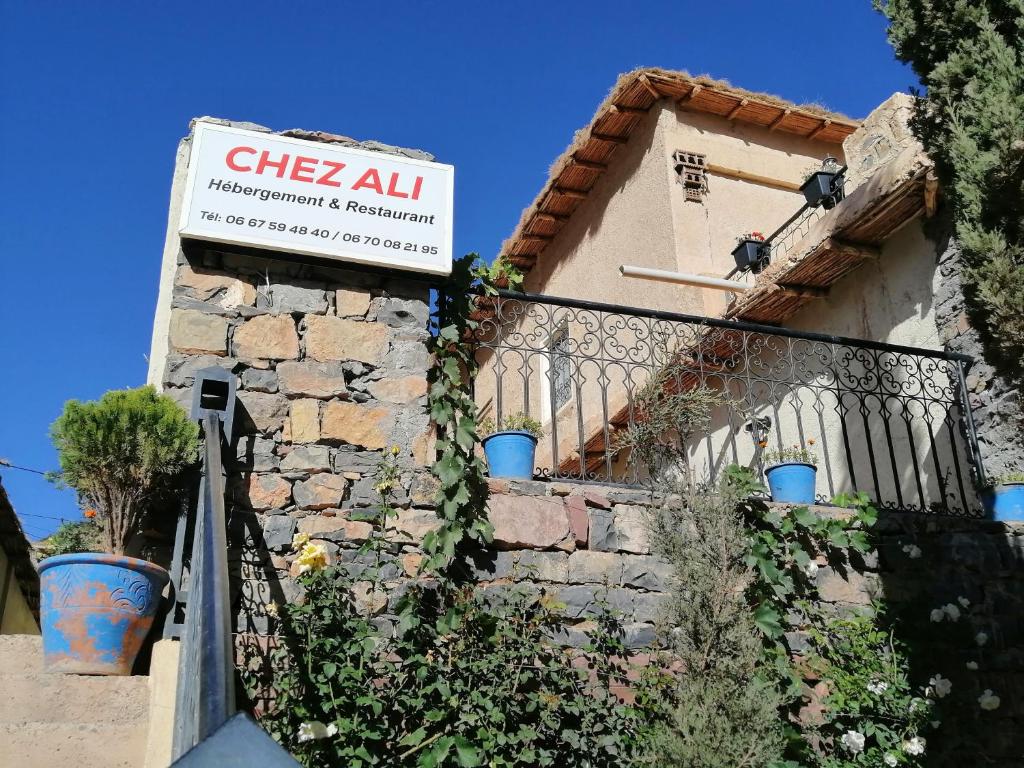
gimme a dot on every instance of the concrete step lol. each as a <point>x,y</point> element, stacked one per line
<point>65,745</point>
<point>21,654</point>
<point>86,699</point>
<point>78,721</point>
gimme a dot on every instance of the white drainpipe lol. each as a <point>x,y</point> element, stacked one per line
<point>683,278</point>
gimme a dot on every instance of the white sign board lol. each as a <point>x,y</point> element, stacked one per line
<point>305,197</point>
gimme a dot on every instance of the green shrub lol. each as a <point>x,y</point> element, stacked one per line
<point>74,536</point>
<point>120,452</point>
<point>514,422</point>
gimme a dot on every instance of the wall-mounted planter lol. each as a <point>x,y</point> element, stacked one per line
<point>792,482</point>
<point>823,188</point>
<point>750,255</point>
<point>96,610</point>
<point>510,454</point>
<point>1006,502</point>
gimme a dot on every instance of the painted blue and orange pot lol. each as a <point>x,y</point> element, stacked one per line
<point>510,454</point>
<point>1006,502</point>
<point>792,482</point>
<point>96,610</point>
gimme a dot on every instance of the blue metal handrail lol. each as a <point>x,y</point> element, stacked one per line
<point>206,687</point>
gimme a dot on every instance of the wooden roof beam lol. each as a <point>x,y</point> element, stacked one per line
<point>541,238</point>
<point>804,291</point>
<point>735,110</point>
<point>616,109</point>
<point>817,131</point>
<point>575,194</point>
<point>588,165</point>
<point>697,88</point>
<point>557,218</point>
<point>646,83</point>
<point>778,120</point>
<point>610,138</point>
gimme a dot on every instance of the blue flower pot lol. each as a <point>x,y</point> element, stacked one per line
<point>96,610</point>
<point>1006,502</point>
<point>510,454</point>
<point>792,482</point>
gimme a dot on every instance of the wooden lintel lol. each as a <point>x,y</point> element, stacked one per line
<point>860,250</point>
<point>553,217</point>
<point>778,120</point>
<point>646,83</point>
<point>575,194</point>
<point>736,173</point>
<point>609,138</point>
<point>804,291</point>
<point>615,108</point>
<point>589,165</point>
<point>824,124</point>
<point>542,238</point>
<point>931,193</point>
<point>735,110</point>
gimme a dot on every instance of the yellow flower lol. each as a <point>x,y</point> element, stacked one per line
<point>395,450</point>
<point>313,557</point>
<point>299,540</point>
<point>270,609</point>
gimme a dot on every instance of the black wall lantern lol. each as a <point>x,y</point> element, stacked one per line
<point>824,187</point>
<point>751,254</point>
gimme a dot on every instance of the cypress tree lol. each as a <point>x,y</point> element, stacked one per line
<point>969,55</point>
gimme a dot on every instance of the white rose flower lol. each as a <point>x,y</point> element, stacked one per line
<point>853,741</point>
<point>314,729</point>
<point>981,638</point>
<point>889,759</point>
<point>988,700</point>
<point>972,665</point>
<point>941,685</point>
<point>811,569</point>
<point>877,687</point>
<point>964,602</point>
<point>952,611</point>
<point>938,615</point>
<point>914,746</point>
<point>912,551</point>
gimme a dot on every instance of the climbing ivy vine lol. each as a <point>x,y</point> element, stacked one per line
<point>459,470</point>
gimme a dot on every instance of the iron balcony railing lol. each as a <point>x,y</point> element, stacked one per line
<point>881,418</point>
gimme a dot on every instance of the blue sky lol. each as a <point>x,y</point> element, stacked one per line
<point>95,96</point>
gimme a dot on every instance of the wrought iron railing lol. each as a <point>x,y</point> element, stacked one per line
<point>794,229</point>
<point>885,419</point>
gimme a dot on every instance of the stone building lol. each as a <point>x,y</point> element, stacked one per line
<point>19,582</point>
<point>330,361</point>
<point>671,170</point>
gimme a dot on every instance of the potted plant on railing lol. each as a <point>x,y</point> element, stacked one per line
<point>824,186</point>
<point>510,448</point>
<point>751,252</point>
<point>120,454</point>
<point>792,474</point>
<point>1005,497</point>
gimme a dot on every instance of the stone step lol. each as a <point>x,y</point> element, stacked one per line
<point>66,745</point>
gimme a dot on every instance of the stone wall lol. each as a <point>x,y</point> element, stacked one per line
<point>995,399</point>
<point>331,373</point>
